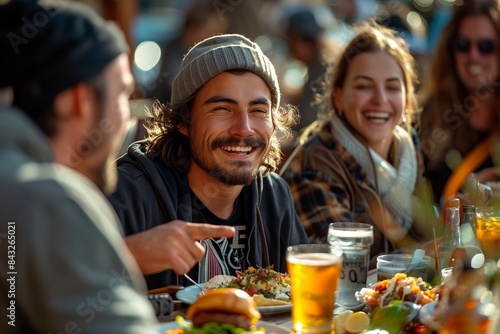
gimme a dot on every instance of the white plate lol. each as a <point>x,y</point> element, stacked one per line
<point>276,309</point>
<point>189,294</point>
<point>269,327</point>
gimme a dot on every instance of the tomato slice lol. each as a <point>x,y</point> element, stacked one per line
<point>261,275</point>
<point>252,290</point>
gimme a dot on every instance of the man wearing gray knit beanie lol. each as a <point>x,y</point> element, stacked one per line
<point>210,158</point>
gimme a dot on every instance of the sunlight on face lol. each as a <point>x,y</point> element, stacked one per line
<point>231,127</point>
<point>109,131</point>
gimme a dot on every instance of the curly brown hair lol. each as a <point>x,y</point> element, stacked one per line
<point>172,147</point>
<point>372,37</point>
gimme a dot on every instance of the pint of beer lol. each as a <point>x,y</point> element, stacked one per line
<point>314,270</point>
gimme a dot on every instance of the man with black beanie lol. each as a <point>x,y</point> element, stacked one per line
<point>64,88</point>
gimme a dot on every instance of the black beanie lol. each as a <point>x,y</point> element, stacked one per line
<point>47,47</point>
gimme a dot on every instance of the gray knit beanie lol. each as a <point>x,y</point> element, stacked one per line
<point>218,54</point>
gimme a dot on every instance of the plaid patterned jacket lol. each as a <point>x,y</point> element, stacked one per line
<point>329,185</point>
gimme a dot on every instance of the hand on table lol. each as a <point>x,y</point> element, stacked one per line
<point>488,174</point>
<point>173,245</point>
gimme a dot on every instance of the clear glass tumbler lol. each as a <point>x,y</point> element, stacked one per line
<point>354,239</point>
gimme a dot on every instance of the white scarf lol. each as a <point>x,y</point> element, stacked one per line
<point>395,186</point>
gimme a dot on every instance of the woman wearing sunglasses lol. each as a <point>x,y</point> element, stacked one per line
<point>462,100</point>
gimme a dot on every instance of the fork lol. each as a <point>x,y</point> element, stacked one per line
<point>193,281</point>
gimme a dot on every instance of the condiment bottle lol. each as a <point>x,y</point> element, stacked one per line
<point>451,236</point>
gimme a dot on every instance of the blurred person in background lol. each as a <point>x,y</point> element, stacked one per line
<point>65,90</point>
<point>461,105</point>
<point>438,19</point>
<point>354,12</point>
<point>122,12</point>
<point>201,21</point>
<point>307,43</point>
<point>347,13</point>
<point>364,164</point>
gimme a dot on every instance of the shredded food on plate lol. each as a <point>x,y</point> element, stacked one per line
<point>263,281</point>
<point>399,287</point>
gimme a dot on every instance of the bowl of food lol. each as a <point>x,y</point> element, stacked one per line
<point>399,287</point>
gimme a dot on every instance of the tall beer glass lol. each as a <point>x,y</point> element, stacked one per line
<point>314,270</point>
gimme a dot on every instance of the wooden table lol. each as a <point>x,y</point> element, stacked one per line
<point>282,319</point>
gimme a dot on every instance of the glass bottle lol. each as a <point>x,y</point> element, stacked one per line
<point>468,228</point>
<point>475,256</point>
<point>451,236</point>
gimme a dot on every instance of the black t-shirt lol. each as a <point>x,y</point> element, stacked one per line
<point>223,256</point>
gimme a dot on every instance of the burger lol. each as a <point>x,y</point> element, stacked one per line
<point>230,309</point>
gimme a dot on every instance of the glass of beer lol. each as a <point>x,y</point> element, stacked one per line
<point>488,230</point>
<point>314,270</point>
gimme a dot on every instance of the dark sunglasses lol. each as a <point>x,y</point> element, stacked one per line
<point>485,46</point>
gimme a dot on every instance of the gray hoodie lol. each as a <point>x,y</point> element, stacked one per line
<point>63,263</point>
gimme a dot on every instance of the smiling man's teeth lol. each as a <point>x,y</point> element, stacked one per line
<point>245,149</point>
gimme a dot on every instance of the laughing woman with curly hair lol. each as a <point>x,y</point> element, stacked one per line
<point>364,164</point>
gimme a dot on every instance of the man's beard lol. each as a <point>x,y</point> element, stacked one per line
<point>107,176</point>
<point>233,178</point>
<point>239,175</point>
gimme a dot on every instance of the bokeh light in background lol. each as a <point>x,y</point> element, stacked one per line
<point>264,42</point>
<point>414,20</point>
<point>423,5</point>
<point>160,21</point>
<point>446,3</point>
<point>146,67</point>
<point>295,75</point>
<point>428,5</point>
<point>147,55</point>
